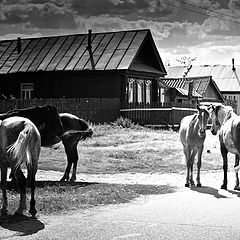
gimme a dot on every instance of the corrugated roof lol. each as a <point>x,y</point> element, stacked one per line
<point>111,51</point>
<point>226,79</point>
<point>184,92</point>
<point>200,84</point>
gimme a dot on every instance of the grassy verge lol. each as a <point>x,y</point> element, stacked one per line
<point>60,198</point>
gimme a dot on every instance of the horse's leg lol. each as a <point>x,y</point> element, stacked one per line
<point>4,210</point>
<point>68,150</point>
<point>21,182</point>
<point>32,209</point>
<point>187,151</point>
<point>199,164</point>
<point>224,153</point>
<point>193,154</point>
<point>237,179</point>
<point>74,157</point>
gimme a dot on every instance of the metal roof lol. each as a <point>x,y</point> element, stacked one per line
<point>184,92</point>
<point>226,79</point>
<point>200,84</point>
<point>111,51</point>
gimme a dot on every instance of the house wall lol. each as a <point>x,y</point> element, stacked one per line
<point>233,98</point>
<point>101,84</point>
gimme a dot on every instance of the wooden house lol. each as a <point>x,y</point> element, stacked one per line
<point>123,65</point>
<point>226,78</point>
<point>194,90</point>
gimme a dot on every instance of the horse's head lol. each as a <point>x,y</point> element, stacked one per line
<point>203,116</point>
<point>214,116</point>
<point>52,119</point>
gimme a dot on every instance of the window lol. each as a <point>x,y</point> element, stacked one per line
<point>148,91</point>
<point>162,95</point>
<point>26,90</point>
<point>138,90</point>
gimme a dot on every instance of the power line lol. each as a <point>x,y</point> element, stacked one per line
<point>204,14</point>
<point>213,11</point>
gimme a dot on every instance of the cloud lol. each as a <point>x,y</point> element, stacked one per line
<point>40,14</point>
<point>129,9</point>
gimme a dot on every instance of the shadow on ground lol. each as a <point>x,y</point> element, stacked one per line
<point>23,225</point>
<point>213,191</point>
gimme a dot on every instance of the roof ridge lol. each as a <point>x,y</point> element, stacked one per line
<point>76,34</point>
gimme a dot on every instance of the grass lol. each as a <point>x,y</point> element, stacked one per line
<point>61,198</point>
<point>116,149</point>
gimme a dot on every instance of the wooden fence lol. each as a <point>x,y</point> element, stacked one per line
<point>96,110</point>
<point>100,110</point>
<point>157,114</point>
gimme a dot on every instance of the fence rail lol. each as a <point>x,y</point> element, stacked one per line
<point>96,110</point>
<point>158,114</point>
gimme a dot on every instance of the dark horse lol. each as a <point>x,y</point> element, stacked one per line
<point>55,127</point>
<point>20,142</point>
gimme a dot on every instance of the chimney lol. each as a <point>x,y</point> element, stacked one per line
<point>19,45</point>
<point>233,67</point>
<point>89,48</point>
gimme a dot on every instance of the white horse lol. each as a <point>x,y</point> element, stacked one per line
<point>227,122</point>
<point>192,135</point>
<point>20,143</point>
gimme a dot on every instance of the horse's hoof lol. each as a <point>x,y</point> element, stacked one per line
<point>187,185</point>
<point>224,187</point>
<point>33,212</point>
<point>237,188</point>
<point>4,213</point>
<point>18,214</point>
<point>199,185</point>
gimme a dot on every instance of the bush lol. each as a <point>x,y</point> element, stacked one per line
<point>125,123</point>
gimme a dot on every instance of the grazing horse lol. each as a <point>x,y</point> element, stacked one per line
<point>54,128</point>
<point>80,131</point>
<point>227,122</point>
<point>192,135</point>
<point>20,142</point>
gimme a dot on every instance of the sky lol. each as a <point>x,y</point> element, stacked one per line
<point>198,32</point>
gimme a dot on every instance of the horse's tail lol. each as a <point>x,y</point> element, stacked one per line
<point>81,135</point>
<point>25,149</point>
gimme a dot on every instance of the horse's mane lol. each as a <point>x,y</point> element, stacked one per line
<point>229,111</point>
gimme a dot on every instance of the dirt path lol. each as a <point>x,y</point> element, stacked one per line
<point>149,217</point>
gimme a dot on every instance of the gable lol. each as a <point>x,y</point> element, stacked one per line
<point>147,58</point>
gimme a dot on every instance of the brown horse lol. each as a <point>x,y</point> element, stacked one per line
<point>227,123</point>
<point>20,142</point>
<point>75,130</point>
<point>192,135</point>
<point>54,128</point>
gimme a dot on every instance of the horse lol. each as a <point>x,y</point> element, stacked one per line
<point>54,128</point>
<point>75,130</point>
<point>192,136</point>
<point>20,142</point>
<point>227,123</point>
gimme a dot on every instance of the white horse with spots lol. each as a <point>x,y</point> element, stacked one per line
<point>192,135</point>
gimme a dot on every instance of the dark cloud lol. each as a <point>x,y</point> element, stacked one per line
<point>37,14</point>
<point>129,9</point>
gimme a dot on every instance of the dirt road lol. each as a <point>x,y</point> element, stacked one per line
<point>199,213</point>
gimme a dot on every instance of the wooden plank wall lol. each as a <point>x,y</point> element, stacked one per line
<point>95,110</point>
<point>157,114</point>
